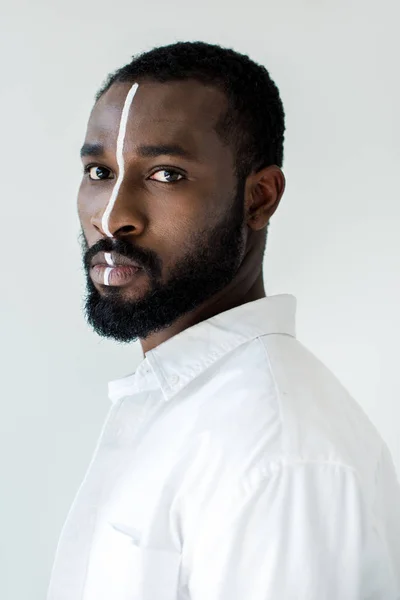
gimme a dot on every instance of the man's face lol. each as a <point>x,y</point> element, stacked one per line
<point>181,218</point>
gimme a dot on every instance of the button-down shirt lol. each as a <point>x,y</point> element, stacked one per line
<point>233,465</point>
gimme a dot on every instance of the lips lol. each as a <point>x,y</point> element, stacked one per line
<point>117,276</point>
<point>117,260</point>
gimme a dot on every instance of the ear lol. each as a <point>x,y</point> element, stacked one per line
<point>263,192</point>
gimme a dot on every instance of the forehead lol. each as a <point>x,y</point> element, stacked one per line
<point>184,112</point>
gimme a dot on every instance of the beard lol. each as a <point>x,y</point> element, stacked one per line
<point>211,262</point>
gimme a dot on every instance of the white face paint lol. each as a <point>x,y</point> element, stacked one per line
<point>109,260</point>
<point>121,172</point>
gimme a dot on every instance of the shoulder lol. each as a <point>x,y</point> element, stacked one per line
<point>281,404</point>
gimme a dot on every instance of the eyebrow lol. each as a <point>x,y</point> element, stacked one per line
<point>153,151</point>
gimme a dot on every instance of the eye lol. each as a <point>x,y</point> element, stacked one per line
<point>96,172</point>
<point>167,176</point>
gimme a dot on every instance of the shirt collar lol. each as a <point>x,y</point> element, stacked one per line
<point>172,365</point>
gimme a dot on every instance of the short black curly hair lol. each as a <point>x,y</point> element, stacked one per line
<point>255,120</point>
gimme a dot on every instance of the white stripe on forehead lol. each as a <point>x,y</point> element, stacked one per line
<point>120,159</point>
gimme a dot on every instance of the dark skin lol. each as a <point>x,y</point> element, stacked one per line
<point>153,213</point>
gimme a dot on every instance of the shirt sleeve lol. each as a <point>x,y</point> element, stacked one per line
<point>304,531</point>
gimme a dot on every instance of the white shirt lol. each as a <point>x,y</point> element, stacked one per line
<point>233,466</point>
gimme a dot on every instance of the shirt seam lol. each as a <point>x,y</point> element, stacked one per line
<point>277,394</point>
<point>269,469</point>
<point>291,462</point>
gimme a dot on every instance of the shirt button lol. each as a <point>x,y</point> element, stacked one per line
<point>174,379</point>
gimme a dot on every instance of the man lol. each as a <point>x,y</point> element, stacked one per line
<point>232,464</point>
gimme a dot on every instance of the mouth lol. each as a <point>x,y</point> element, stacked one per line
<point>117,276</point>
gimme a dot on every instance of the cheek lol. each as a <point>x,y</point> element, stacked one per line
<point>177,230</point>
<point>89,204</point>
<point>81,203</point>
<point>172,239</point>
<point>183,211</point>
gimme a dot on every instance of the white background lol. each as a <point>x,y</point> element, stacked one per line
<point>333,243</point>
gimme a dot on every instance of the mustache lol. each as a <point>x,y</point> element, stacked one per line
<point>144,257</point>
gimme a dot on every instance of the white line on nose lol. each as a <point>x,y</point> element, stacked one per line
<point>120,159</point>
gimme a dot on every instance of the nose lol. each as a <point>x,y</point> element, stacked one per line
<point>124,218</point>
<point>119,223</point>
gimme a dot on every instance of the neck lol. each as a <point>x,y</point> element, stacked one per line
<point>228,298</point>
